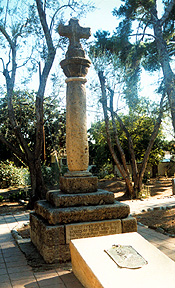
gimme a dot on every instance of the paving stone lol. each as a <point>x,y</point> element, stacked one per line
<point>22,275</point>
<point>4,278</point>
<point>6,284</point>
<point>3,271</point>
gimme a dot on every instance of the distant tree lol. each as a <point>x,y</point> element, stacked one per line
<point>113,83</point>
<point>121,163</point>
<point>24,107</point>
<point>139,126</point>
<point>99,153</point>
<point>154,46</point>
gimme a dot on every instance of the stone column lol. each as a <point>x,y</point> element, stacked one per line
<point>76,128</point>
<point>75,67</point>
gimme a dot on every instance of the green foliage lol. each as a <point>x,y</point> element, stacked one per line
<point>1,198</point>
<point>140,125</point>
<point>122,58</point>
<point>138,14</point>
<point>99,153</point>
<point>10,175</point>
<point>50,175</point>
<point>21,195</point>
<point>24,106</point>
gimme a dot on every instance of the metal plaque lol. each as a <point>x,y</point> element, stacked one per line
<point>126,256</point>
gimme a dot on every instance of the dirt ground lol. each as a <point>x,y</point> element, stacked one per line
<point>164,220</point>
<point>161,220</point>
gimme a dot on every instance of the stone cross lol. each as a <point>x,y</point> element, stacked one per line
<point>74,32</point>
<point>75,67</point>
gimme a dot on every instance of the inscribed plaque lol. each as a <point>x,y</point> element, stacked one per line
<point>125,256</point>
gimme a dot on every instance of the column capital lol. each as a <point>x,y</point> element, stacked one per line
<point>75,79</point>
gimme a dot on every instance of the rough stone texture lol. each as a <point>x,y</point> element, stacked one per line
<point>92,229</point>
<point>76,126</point>
<point>49,240</point>
<point>50,235</point>
<point>75,67</point>
<point>173,186</point>
<point>129,224</point>
<point>74,32</point>
<point>59,199</point>
<point>71,69</point>
<point>81,214</point>
<point>78,184</point>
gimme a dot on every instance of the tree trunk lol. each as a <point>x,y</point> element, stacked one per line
<point>122,168</point>
<point>37,182</point>
<point>169,77</point>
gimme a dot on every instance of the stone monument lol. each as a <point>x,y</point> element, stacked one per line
<point>79,209</point>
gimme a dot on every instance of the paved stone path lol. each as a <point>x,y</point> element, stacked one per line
<point>15,272</point>
<point>137,206</point>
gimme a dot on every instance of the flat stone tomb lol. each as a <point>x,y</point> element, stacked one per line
<point>95,269</point>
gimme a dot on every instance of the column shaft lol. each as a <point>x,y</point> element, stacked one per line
<point>76,125</point>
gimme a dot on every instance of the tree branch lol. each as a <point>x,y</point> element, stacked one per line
<point>120,167</point>
<point>14,149</point>
<point>43,79</point>
<point>122,154</point>
<point>153,137</point>
<point>56,12</point>
<point>6,35</point>
<point>142,34</point>
<point>167,12</point>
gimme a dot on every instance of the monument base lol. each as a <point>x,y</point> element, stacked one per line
<point>81,184</point>
<point>63,217</point>
<point>52,241</point>
<point>95,269</point>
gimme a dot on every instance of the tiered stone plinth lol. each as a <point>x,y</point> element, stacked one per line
<point>63,217</point>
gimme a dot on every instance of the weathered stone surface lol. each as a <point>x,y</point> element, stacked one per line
<point>74,32</point>
<point>129,224</point>
<point>59,199</point>
<point>173,186</point>
<point>78,184</point>
<point>92,229</point>
<point>76,66</point>
<point>50,235</point>
<point>81,214</point>
<point>76,125</point>
<point>55,254</point>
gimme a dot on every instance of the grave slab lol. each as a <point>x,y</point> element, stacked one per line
<point>95,269</point>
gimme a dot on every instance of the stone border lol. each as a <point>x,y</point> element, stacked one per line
<point>17,237</point>
<point>158,229</point>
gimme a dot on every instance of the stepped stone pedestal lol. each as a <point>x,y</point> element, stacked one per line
<point>63,217</point>
<point>78,209</point>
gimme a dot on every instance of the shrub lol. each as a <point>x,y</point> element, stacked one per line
<point>10,175</point>
<point>20,195</point>
<point>1,198</point>
<point>50,175</point>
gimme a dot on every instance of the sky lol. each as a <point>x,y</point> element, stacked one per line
<point>102,18</point>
